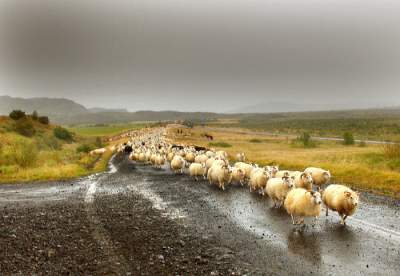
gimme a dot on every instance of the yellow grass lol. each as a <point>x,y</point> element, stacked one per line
<point>360,167</point>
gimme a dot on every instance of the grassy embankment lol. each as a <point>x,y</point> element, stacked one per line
<point>41,154</point>
<point>105,129</point>
<point>368,167</point>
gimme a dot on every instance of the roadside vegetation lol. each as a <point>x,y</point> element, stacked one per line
<point>32,149</point>
<point>366,167</point>
<point>106,129</point>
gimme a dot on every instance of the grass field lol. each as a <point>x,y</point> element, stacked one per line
<point>105,130</point>
<point>362,167</point>
<point>43,156</point>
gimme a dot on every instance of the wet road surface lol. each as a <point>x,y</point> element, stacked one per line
<point>137,220</point>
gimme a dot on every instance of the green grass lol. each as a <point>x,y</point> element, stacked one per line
<point>105,130</point>
<point>43,156</point>
<point>220,145</point>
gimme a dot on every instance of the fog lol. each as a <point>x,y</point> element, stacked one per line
<point>203,55</point>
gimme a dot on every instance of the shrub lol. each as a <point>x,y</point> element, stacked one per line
<point>17,114</point>
<point>255,140</point>
<point>305,140</point>
<point>62,134</point>
<point>52,142</point>
<point>44,120</point>
<point>83,148</point>
<point>35,115</point>
<point>220,144</point>
<point>362,144</point>
<point>24,127</point>
<point>23,153</point>
<point>99,142</point>
<point>391,151</point>
<point>348,139</point>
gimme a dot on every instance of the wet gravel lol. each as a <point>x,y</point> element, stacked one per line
<point>143,221</point>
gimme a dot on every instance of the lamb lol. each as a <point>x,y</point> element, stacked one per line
<point>258,180</point>
<point>341,199</point>
<point>219,175</point>
<point>278,188</point>
<point>196,169</point>
<point>238,175</point>
<point>303,203</point>
<point>320,176</point>
<point>303,180</point>
<point>177,164</point>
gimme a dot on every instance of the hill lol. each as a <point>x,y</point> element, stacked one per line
<point>45,152</point>
<point>47,106</point>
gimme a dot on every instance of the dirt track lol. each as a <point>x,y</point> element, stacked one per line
<point>136,220</point>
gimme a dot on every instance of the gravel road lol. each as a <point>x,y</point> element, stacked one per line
<point>137,220</point>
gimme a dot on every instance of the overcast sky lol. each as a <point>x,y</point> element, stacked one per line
<point>209,55</point>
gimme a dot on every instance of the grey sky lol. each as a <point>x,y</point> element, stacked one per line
<point>202,55</point>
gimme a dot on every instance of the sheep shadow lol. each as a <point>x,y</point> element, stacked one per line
<point>305,244</point>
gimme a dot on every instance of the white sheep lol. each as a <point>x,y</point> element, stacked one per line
<point>247,168</point>
<point>202,158</point>
<point>238,175</point>
<point>303,180</point>
<point>178,164</point>
<point>219,175</point>
<point>196,169</point>
<point>341,199</point>
<point>320,176</point>
<point>302,203</point>
<point>241,157</point>
<point>159,161</point>
<point>258,180</point>
<point>278,188</point>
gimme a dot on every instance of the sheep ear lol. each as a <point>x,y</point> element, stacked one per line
<point>312,193</point>
<point>348,194</point>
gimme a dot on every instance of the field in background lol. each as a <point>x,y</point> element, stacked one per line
<point>105,129</point>
<point>381,125</point>
<point>362,167</point>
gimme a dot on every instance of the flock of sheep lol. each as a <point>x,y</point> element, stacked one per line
<point>291,189</point>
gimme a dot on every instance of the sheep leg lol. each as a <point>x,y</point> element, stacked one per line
<point>344,219</point>
<point>326,207</point>
<point>341,219</point>
<point>293,222</point>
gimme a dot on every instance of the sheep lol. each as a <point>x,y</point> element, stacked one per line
<point>190,157</point>
<point>283,173</point>
<point>320,176</point>
<point>142,157</point>
<point>219,175</point>
<point>202,158</point>
<point>196,169</point>
<point>98,151</point>
<point>177,164</point>
<point>341,199</point>
<point>278,188</point>
<point>241,157</point>
<point>159,161</point>
<point>258,180</point>
<point>210,154</point>
<point>221,154</point>
<point>170,156</point>
<point>303,203</point>
<point>303,180</point>
<point>238,175</point>
<point>247,168</point>
<point>273,170</point>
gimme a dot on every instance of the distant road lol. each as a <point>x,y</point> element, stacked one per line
<point>247,131</point>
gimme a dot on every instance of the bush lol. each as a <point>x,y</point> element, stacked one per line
<point>255,140</point>
<point>99,142</point>
<point>83,148</point>
<point>44,120</point>
<point>362,144</point>
<point>391,151</point>
<point>220,144</point>
<point>52,142</point>
<point>62,134</point>
<point>17,114</point>
<point>24,127</point>
<point>348,139</point>
<point>23,153</point>
<point>35,115</point>
<point>305,140</point>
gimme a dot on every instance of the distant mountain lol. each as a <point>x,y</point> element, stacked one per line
<point>100,109</point>
<point>46,106</point>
